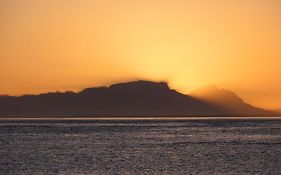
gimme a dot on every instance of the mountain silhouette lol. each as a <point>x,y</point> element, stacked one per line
<point>138,98</point>
<point>226,100</point>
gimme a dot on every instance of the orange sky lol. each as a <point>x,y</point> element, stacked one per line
<point>49,45</point>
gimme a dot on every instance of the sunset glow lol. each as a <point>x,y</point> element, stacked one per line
<point>50,45</point>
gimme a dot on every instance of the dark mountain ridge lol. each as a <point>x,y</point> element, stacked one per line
<point>138,98</point>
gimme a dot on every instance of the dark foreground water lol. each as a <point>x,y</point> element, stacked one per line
<point>88,147</point>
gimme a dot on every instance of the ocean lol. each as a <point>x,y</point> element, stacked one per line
<point>107,146</point>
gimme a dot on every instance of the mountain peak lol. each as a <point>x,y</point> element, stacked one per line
<point>226,100</point>
<point>141,84</point>
<point>213,94</point>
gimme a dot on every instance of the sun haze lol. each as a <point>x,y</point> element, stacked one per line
<point>69,44</point>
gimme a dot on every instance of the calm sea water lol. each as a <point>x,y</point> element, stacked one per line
<point>89,147</point>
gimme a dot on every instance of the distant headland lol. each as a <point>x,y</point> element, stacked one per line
<point>131,99</point>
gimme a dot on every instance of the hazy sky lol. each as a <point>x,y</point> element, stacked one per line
<point>49,45</point>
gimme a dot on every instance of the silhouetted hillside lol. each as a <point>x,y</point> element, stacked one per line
<point>228,101</point>
<point>139,98</point>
